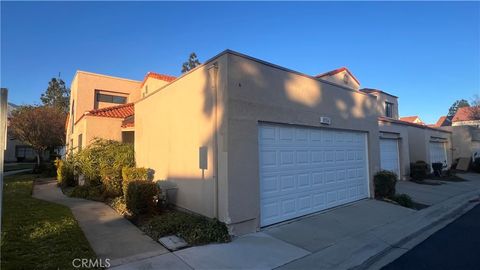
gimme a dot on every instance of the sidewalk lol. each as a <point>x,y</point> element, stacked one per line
<point>349,237</point>
<point>110,235</point>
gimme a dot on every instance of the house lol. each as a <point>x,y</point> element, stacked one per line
<point>393,139</point>
<point>16,150</point>
<point>101,106</point>
<point>252,143</point>
<point>412,119</point>
<point>467,116</point>
<point>443,121</point>
<point>465,128</point>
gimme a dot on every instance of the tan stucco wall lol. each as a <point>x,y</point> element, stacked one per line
<point>170,127</point>
<point>401,133</point>
<point>150,86</point>
<point>102,127</point>
<point>419,143</point>
<point>261,92</point>
<point>82,96</point>
<point>465,140</point>
<point>338,79</point>
<point>381,99</point>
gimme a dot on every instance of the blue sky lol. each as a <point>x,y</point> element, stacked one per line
<point>427,53</point>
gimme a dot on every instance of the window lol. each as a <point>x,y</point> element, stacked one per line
<point>388,109</point>
<point>111,99</point>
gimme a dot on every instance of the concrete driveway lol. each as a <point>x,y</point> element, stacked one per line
<point>320,231</point>
<point>430,195</point>
<point>295,244</point>
<point>341,238</point>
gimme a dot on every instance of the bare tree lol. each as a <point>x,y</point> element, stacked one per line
<point>475,108</point>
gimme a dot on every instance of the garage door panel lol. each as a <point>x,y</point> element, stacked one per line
<point>438,152</point>
<point>389,155</point>
<point>313,169</point>
<point>281,184</point>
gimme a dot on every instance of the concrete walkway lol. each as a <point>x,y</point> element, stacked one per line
<point>110,235</point>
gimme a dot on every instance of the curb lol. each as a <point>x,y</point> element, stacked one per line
<point>450,214</point>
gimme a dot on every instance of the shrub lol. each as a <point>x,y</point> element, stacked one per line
<point>194,229</point>
<point>139,196</point>
<point>119,205</point>
<point>132,173</point>
<point>437,168</point>
<point>88,192</point>
<point>476,165</point>
<point>419,170</point>
<point>385,184</point>
<point>111,182</point>
<point>403,200</point>
<point>65,173</point>
<point>104,154</point>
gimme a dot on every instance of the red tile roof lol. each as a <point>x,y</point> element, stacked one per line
<point>158,76</point>
<point>442,121</point>
<point>411,119</point>
<point>463,114</point>
<point>120,111</point>
<point>338,70</point>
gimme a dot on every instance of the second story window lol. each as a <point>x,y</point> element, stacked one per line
<point>389,109</point>
<point>111,99</point>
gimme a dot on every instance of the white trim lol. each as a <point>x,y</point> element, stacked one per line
<point>369,182</point>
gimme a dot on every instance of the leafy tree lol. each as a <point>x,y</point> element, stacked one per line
<point>455,106</point>
<point>191,63</point>
<point>41,127</point>
<point>57,95</point>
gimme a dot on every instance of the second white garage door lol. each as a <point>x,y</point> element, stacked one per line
<point>438,152</point>
<point>305,170</point>
<point>389,158</point>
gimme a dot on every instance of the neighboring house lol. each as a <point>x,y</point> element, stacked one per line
<point>99,105</point>
<point>465,116</point>
<point>443,121</point>
<point>252,143</point>
<point>16,150</point>
<point>465,128</point>
<point>412,119</point>
<point>407,139</point>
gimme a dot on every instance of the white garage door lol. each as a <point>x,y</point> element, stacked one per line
<point>438,152</point>
<point>304,170</point>
<point>389,159</point>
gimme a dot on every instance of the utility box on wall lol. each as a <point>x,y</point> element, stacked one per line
<point>203,158</point>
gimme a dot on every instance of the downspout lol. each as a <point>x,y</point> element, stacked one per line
<point>214,77</point>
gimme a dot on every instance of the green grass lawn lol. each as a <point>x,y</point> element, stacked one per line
<point>37,234</point>
<point>17,166</point>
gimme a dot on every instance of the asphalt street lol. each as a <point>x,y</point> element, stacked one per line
<point>457,246</point>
